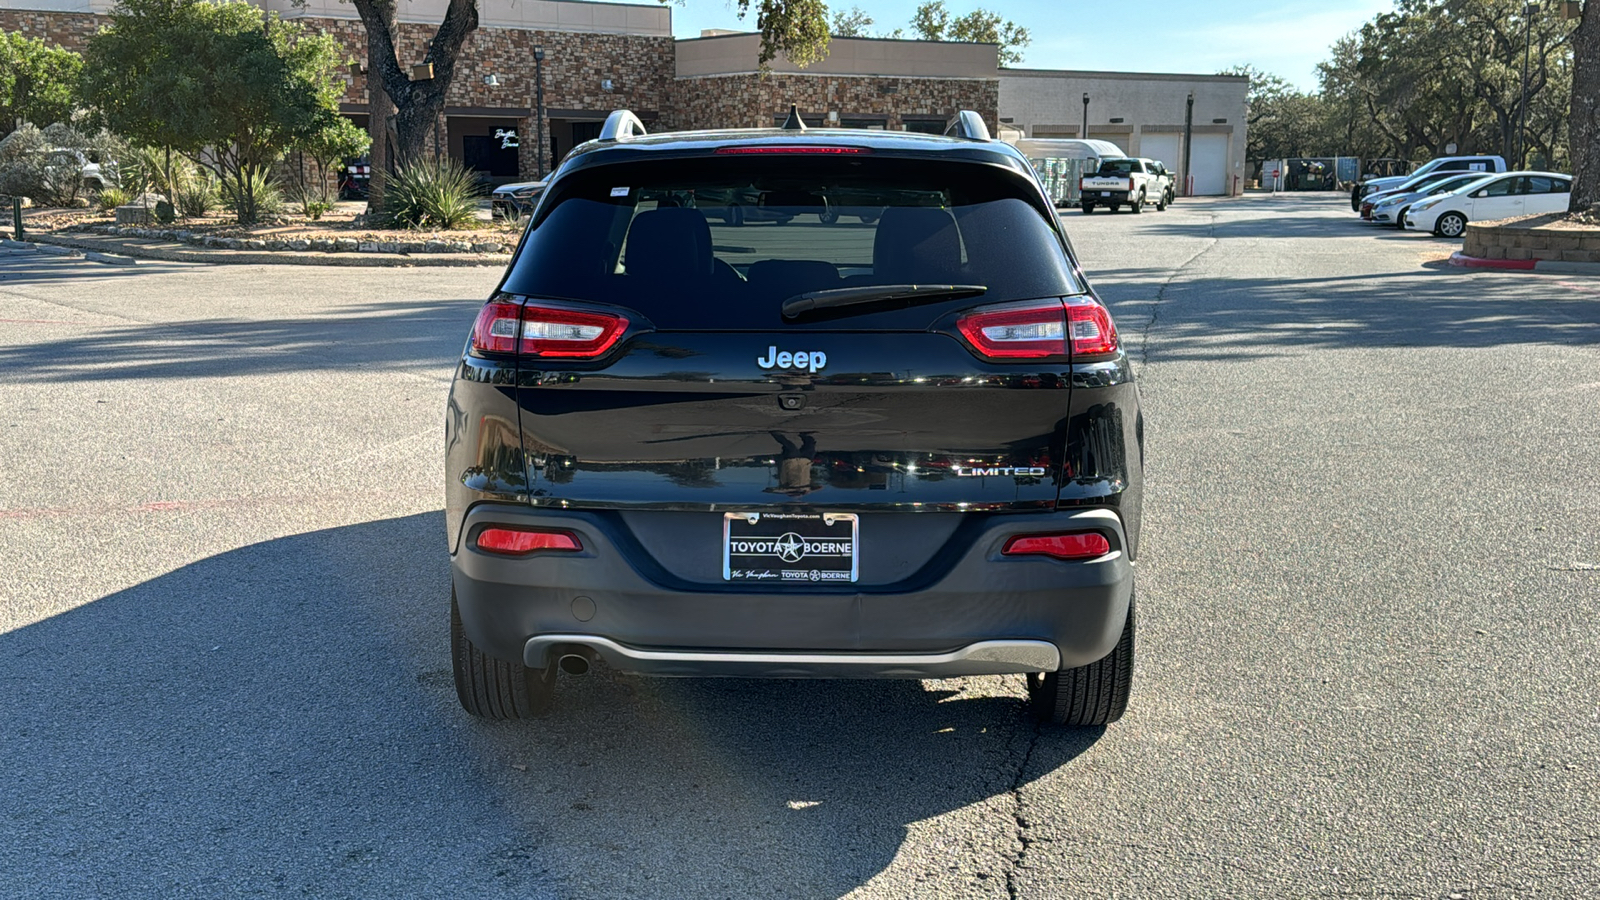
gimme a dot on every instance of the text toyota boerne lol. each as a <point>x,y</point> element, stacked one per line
<point>794,402</point>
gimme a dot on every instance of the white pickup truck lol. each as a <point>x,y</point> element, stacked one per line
<point>1131,180</point>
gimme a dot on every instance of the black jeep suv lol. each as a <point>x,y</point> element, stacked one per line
<point>904,444</point>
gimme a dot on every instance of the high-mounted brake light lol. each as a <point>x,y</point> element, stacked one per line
<point>1073,545</point>
<point>1093,334</point>
<point>1029,331</point>
<point>568,333</point>
<point>788,149</point>
<point>520,541</point>
<point>496,328</point>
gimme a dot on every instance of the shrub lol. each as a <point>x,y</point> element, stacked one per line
<point>111,198</point>
<point>48,165</point>
<point>429,193</point>
<point>196,196</point>
<point>252,194</point>
<point>315,209</point>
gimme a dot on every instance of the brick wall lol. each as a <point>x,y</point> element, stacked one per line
<point>726,101</point>
<point>69,30</point>
<point>1490,241</point>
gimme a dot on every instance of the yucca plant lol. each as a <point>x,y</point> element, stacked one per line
<point>196,195</point>
<point>112,197</point>
<point>429,193</point>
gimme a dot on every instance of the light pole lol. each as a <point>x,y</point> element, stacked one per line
<point>538,112</point>
<point>1085,134</point>
<point>1188,138</point>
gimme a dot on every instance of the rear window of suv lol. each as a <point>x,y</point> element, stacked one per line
<point>720,243</point>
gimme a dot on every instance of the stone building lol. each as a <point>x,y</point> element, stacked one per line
<point>597,57</point>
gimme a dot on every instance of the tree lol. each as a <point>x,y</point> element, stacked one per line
<point>1433,73</point>
<point>1281,121</point>
<point>220,82</point>
<point>853,22</point>
<point>1585,121</point>
<point>796,28</point>
<point>933,22</point>
<point>38,84</point>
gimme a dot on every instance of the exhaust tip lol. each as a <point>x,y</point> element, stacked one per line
<point>574,664</point>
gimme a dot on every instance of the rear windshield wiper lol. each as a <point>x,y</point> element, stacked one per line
<point>850,301</point>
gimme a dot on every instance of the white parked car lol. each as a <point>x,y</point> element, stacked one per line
<point>1390,207</point>
<point>1497,197</point>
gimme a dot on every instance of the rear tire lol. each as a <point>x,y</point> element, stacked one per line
<point>1137,206</point>
<point>1400,218</point>
<point>1096,694</point>
<point>493,688</point>
<point>1161,205</point>
<point>829,215</point>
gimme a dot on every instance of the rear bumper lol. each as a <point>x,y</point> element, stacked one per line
<point>1098,197</point>
<point>970,612</point>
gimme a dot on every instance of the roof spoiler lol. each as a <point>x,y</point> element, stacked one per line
<point>968,125</point>
<point>623,125</point>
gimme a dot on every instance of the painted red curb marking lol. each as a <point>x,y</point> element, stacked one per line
<point>1474,262</point>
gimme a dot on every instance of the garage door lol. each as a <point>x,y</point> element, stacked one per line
<point>1162,146</point>
<point>1209,163</point>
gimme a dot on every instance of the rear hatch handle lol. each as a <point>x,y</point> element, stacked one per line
<point>850,301</point>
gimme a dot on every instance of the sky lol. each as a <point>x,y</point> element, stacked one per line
<point>1284,38</point>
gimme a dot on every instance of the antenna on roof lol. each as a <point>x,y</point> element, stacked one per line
<point>794,122</point>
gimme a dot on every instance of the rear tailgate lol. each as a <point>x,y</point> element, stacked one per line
<point>693,421</point>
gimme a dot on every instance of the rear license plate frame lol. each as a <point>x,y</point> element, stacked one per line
<point>764,560</point>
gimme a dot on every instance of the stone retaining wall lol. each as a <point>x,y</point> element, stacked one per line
<point>1491,241</point>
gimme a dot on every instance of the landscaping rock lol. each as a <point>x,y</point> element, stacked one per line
<point>367,247</point>
<point>132,215</point>
<point>436,247</point>
<point>346,245</point>
<point>299,245</point>
<point>487,247</point>
<point>388,247</point>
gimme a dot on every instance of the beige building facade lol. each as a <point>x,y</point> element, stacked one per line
<point>1144,114</point>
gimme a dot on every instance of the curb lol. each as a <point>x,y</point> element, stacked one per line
<point>1547,266</point>
<point>166,251</point>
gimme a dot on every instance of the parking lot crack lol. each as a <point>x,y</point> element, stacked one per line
<point>1160,299</point>
<point>1032,730</point>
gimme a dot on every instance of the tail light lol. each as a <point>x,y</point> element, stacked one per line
<point>496,328</point>
<point>522,541</point>
<point>1040,330</point>
<point>568,333</point>
<point>508,327</point>
<point>1029,331</point>
<point>1069,546</point>
<point>1090,328</point>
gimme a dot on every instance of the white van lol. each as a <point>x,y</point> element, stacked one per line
<point>1060,162</point>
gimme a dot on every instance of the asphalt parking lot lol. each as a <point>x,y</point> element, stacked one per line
<point>1369,597</point>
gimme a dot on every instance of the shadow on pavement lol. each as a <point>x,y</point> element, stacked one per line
<point>281,718</point>
<point>20,267</point>
<point>393,334</point>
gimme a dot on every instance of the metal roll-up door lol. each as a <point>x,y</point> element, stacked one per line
<point>1208,161</point>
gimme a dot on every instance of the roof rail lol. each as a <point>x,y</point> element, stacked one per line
<point>967,124</point>
<point>622,124</point>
